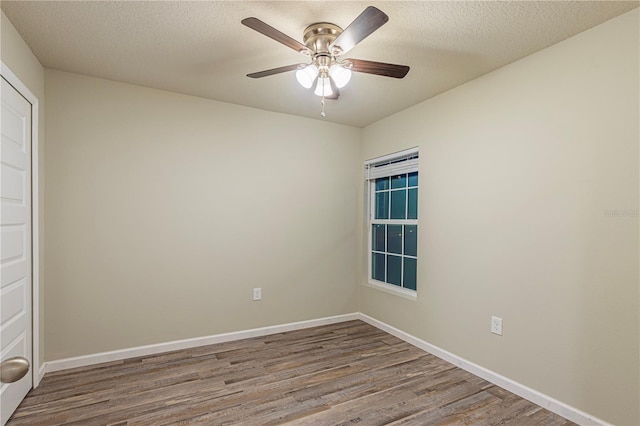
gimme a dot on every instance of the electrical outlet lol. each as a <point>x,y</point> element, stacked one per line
<point>496,325</point>
<point>257,294</point>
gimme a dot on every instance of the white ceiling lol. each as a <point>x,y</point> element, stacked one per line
<point>200,48</point>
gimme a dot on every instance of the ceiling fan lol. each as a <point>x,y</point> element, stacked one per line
<point>324,43</point>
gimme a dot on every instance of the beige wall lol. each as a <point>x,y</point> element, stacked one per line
<point>164,211</point>
<point>517,171</point>
<point>16,55</point>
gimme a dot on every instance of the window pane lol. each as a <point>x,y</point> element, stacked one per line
<point>409,273</point>
<point>377,266</point>
<point>393,243</point>
<point>398,201</point>
<point>382,205</point>
<point>411,240</point>
<point>382,184</point>
<point>394,270</point>
<point>413,204</point>
<point>378,238</point>
<point>413,179</point>
<point>394,239</point>
<point>399,181</point>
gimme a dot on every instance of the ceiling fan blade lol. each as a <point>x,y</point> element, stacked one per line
<point>269,31</point>
<point>378,68</point>
<point>273,71</point>
<point>366,23</point>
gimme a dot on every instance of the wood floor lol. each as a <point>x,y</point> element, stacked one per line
<point>342,374</point>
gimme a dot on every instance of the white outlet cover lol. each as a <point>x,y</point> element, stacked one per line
<point>496,325</point>
<point>257,294</point>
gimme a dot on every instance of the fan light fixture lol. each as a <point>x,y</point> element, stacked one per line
<point>307,75</point>
<point>339,73</point>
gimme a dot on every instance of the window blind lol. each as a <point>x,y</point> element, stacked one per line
<point>391,165</point>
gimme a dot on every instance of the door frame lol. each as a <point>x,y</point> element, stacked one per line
<point>38,370</point>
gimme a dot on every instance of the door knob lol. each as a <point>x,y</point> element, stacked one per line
<point>13,369</point>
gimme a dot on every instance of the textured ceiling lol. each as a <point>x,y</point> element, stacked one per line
<point>200,48</point>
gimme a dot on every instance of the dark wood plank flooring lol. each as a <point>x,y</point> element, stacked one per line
<point>340,374</point>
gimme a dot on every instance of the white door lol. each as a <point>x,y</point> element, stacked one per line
<point>15,245</point>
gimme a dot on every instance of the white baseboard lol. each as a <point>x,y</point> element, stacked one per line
<point>82,361</point>
<point>545,401</point>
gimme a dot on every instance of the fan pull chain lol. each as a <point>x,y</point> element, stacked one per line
<point>322,103</point>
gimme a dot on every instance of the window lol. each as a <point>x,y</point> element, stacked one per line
<point>393,219</point>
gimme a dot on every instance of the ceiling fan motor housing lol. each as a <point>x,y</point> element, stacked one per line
<point>319,36</point>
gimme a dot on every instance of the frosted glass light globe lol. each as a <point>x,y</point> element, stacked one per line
<point>323,88</point>
<point>340,75</point>
<point>307,75</point>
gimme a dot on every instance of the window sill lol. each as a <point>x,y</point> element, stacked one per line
<point>392,289</point>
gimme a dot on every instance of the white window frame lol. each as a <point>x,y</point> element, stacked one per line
<point>370,176</point>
